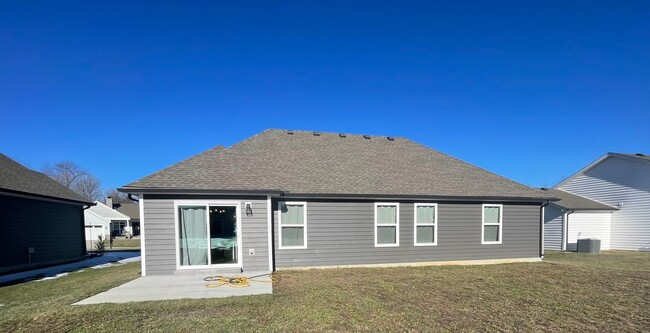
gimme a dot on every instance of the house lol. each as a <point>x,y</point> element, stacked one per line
<point>132,210</point>
<point>287,199</point>
<point>101,220</point>
<point>621,181</point>
<point>42,220</point>
<point>574,217</point>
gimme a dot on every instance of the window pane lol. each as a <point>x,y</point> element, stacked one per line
<point>426,214</point>
<point>425,234</point>
<point>491,233</point>
<point>386,235</point>
<point>491,215</point>
<point>292,214</point>
<point>193,236</point>
<point>386,215</point>
<point>293,236</point>
<point>223,235</point>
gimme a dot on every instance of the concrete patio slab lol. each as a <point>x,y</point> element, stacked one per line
<point>169,287</point>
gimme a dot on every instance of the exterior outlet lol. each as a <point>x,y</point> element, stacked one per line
<point>251,252</point>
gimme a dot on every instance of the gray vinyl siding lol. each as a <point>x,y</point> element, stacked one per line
<point>617,180</point>
<point>159,233</point>
<point>55,230</point>
<point>553,224</point>
<point>342,233</point>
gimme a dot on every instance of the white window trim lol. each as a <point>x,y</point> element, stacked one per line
<point>304,229</point>
<point>483,224</point>
<point>396,204</point>
<point>416,224</point>
<point>207,204</point>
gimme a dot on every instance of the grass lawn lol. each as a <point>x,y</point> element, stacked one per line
<point>567,292</point>
<point>123,243</point>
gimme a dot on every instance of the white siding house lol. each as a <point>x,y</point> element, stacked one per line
<point>100,220</point>
<point>622,181</point>
<point>574,217</point>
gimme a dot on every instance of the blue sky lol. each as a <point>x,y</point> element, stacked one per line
<point>530,90</point>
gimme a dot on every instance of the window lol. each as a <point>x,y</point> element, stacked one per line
<point>386,224</point>
<point>492,223</point>
<point>293,225</point>
<point>426,224</point>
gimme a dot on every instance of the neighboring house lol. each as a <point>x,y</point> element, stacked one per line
<point>574,217</point>
<point>621,181</point>
<point>42,220</point>
<point>284,199</point>
<point>101,220</point>
<point>132,210</point>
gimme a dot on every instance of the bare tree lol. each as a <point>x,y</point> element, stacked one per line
<point>118,197</point>
<point>69,174</point>
<point>89,187</point>
<point>66,172</point>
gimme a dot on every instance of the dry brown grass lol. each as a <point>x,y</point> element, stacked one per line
<point>567,292</point>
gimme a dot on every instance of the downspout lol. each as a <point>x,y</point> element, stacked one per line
<point>565,229</point>
<point>130,196</point>
<point>541,229</point>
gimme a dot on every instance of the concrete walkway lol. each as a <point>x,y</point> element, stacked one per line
<point>168,287</point>
<point>51,272</point>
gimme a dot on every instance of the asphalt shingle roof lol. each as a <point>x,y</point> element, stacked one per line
<point>639,155</point>
<point>330,163</point>
<point>573,201</point>
<point>130,209</point>
<point>18,178</point>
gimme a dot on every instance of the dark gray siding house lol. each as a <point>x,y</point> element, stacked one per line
<point>42,221</point>
<point>293,199</point>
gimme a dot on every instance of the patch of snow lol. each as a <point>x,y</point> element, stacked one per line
<point>53,277</point>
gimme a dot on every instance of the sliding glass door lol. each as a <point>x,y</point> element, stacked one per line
<point>208,235</point>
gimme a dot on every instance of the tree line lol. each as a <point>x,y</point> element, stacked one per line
<point>72,176</point>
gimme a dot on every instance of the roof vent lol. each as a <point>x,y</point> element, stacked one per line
<point>639,154</point>
<point>316,133</point>
<point>390,138</point>
<point>366,136</point>
<point>342,135</point>
<point>289,131</point>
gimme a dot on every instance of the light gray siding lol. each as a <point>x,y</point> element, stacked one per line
<point>54,230</point>
<point>159,233</point>
<point>553,220</point>
<point>342,233</point>
<point>621,180</point>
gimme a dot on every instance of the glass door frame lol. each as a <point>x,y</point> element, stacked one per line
<point>207,204</point>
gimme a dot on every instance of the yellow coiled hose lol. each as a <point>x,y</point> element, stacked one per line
<point>234,281</point>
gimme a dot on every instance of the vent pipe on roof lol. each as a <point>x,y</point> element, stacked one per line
<point>289,131</point>
<point>390,138</point>
<point>342,135</point>
<point>316,133</point>
<point>366,136</point>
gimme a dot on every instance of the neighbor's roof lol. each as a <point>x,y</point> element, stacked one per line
<point>314,163</point>
<point>107,212</point>
<point>576,202</point>
<point>14,177</point>
<point>130,209</point>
